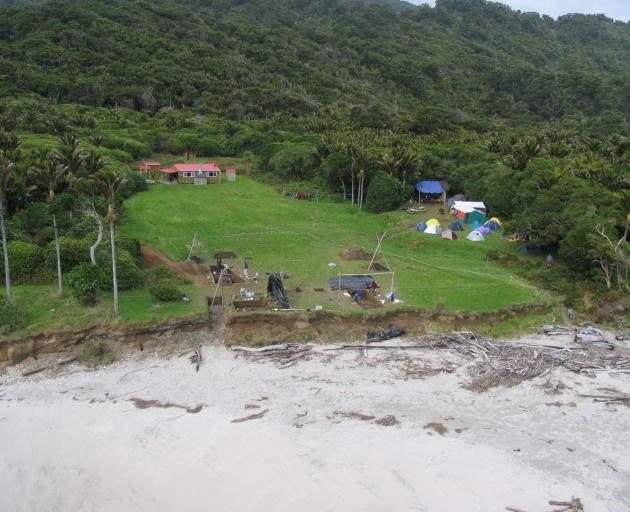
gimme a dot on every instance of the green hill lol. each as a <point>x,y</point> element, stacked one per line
<point>386,63</point>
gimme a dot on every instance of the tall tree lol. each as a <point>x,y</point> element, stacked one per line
<point>50,175</point>
<point>109,184</point>
<point>6,175</point>
<point>70,155</point>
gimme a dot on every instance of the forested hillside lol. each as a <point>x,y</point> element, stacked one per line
<point>386,63</point>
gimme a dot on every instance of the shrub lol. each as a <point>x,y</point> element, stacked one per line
<point>385,193</point>
<point>95,352</point>
<point>137,182</point>
<point>84,280</point>
<point>32,219</point>
<point>27,262</point>
<point>131,245</point>
<point>73,252</point>
<point>160,273</point>
<point>166,290</point>
<point>128,274</point>
<point>12,317</point>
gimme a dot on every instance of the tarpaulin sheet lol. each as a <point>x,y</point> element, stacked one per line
<point>276,288</point>
<point>362,282</point>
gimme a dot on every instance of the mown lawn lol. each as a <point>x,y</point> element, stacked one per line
<point>275,233</point>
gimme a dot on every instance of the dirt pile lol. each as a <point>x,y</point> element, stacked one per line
<point>356,253</point>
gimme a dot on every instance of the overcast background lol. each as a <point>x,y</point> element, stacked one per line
<point>617,9</point>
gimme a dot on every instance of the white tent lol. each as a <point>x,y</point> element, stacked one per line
<point>433,229</point>
<point>468,206</point>
<point>475,236</point>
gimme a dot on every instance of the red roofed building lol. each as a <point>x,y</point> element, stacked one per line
<point>148,167</point>
<point>199,174</point>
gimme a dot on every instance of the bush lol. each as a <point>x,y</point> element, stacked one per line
<point>166,290</point>
<point>385,193</point>
<point>158,273</point>
<point>27,262</point>
<point>137,182</point>
<point>95,353</point>
<point>84,280</point>
<point>128,273</point>
<point>131,245</point>
<point>31,219</point>
<point>12,317</point>
<point>73,252</point>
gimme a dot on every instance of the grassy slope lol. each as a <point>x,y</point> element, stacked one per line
<point>275,233</point>
<point>47,312</point>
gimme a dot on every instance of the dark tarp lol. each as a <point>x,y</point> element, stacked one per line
<point>276,288</point>
<point>363,282</point>
<point>394,331</point>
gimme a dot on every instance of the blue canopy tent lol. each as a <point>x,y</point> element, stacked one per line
<point>431,189</point>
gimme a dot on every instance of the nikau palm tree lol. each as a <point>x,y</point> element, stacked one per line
<point>50,175</point>
<point>6,174</point>
<point>110,184</point>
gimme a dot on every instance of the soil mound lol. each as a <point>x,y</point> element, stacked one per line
<point>356,253</point>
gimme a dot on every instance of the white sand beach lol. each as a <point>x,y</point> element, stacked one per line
<point>74,440</point>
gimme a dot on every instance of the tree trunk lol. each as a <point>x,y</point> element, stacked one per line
<point>352,193</point>
<point>361,191</point>
<point>5,252</point>
<point>99,238</point>
<point>343,187</point>
<point>58,255</point>
<point>112,236</point>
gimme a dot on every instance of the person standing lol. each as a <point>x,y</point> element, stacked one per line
<point>549,261</point>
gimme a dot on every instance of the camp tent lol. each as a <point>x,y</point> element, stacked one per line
<point>470,211</point>
<point>493,225</point>
<point>430,189</point>
<point>447,234</point>
<point>475,225</point>
<point>434,222</point>
<point>456,226</point>
<point>484,230</point>
<point>421,227</point>
<point>433,230</point>
<point>475,236</point>
<point>455,198</point>
<point>496,219</point>
<point>475,216</point>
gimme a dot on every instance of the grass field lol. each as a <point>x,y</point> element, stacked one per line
<point>46,311</point>
<point>275,233</point>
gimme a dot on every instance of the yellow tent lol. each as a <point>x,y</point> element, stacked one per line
<point>495,219</point>
<point>434,222</point>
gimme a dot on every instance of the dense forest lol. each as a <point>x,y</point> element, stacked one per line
<point>522,111</point>
<point>387,64</point>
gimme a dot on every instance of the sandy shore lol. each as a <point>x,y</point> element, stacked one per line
<point>77,441</point>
